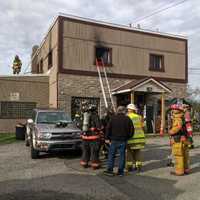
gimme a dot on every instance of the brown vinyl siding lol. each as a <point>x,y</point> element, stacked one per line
<point>130,50</point>
<point>50,44</point>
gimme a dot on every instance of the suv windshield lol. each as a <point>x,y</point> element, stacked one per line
<point>52,117</point>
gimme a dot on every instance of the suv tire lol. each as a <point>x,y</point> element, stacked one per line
<point>27,141</point>
<point>34,152</point>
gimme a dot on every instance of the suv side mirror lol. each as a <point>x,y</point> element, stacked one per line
<point>30,121</point>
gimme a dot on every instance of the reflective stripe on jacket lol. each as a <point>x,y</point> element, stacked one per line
<point>138,139</point>
<point>90,137</point>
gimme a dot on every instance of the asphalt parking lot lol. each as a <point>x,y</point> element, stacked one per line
<point>59,176</point>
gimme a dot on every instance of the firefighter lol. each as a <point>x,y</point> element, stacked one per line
<point>188,125</point>
<point>179,141</point>
<point>91,138</point>
<point>17,65</point>
<point>137,142</point>
<point>78,120</point>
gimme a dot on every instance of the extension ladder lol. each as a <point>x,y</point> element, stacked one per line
<point>100,65</point>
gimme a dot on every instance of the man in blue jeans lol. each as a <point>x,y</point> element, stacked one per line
<point>119,130</point>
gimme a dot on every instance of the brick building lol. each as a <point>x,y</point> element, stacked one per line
<point>143,67</point>
<point>18,96</point>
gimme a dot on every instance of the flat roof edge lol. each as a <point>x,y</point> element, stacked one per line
<point>121,26</point>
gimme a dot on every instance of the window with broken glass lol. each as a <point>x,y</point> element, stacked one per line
<point>50,59</point>
<point>105,54</point>
<point>41,66</point>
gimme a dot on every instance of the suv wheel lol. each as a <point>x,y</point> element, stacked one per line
<point>34,152</point>
<point>27,141</point>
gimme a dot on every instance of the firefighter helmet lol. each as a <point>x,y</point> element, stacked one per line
<point>131,107</point>
<point>176,107</point>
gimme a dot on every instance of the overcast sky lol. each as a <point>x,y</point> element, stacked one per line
<point>24,23</point>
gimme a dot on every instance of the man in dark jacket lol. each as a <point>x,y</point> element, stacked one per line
<point>119,130</point>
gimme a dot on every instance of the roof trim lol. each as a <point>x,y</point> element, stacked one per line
<point>122,85</point>
<point>141,83</point>
<point>155,81</point>
<point>113,25</point>
<point>121,91</point>
<point>44,39</point>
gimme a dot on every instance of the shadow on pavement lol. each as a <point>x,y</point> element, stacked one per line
<point>194,160</point>
<point>144,187</point>
<point>61,154</point>
<point>156,145</point>
<point>85,187</point>
<point>156,152</point>
<point>42,195</point>
<point>59,187</point>
<point>158,158</point>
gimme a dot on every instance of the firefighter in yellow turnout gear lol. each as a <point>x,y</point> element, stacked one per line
<point>179,141</point>
<point>137,142</point>
<point>17,64</point>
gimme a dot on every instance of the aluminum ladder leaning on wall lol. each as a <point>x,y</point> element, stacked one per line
<point>101,67</point>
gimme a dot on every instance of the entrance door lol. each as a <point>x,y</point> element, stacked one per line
<point>140,101</point>
<point>149,118</point>
<point>123,99</point>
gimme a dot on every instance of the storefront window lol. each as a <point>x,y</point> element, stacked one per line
<point>16,110</point>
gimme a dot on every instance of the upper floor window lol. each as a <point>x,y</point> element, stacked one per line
<point>50,59</point>
<point>105,54</point>
<point>37,68</point>
<point>156,62</point>
<point>41,66</point>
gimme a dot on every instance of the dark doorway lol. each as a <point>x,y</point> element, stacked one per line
<point>149,118</point>
<point>140,101</point>
<point>145,109</point>
<point>123,99</point>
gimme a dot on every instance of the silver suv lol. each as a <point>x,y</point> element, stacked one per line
<point>50,130</point>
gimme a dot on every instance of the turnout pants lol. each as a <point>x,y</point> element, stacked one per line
<point>90,152</point>
<point>180,151</point>
<point>133,158</point>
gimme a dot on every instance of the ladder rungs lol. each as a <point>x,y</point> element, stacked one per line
<point>100,64</point>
